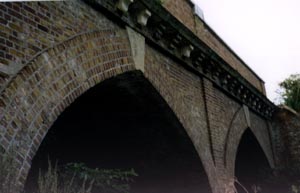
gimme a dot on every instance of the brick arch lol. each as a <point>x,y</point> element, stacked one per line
<point>53,80</point>
<point>50,82</point>
<point>243,120</point>
<point>184,93</point>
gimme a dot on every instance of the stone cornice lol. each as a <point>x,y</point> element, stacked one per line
<point>163,30</point>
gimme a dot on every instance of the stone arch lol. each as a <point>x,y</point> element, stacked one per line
<point>124,115</point>
<point>50,82</point>
<point>53,80</point>
<point>183,91</point>
<point>243,120</point>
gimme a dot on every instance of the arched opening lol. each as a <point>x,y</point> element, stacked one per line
<point>252,168</point>
<point>124,123</point>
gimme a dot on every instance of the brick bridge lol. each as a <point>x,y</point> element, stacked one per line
<point>53,52</point>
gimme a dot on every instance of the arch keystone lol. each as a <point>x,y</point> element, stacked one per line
<point>137,44</point>
<point>247,115</point>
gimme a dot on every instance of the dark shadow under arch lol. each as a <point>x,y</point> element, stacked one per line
<point>251,165</point>
<point>123,122</point>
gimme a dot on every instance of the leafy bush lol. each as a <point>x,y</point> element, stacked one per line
<point>107,180</point>
<point>78,178</point>
<point>290,93</point>
<point>74,178</point>
<point>53,182</point>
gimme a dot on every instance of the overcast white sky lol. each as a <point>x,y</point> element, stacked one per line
<point>264,33</point>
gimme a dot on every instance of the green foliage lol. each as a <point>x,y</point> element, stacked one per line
<point>291,92</point>
<point>295,188</point>
<point>54,182</point>
<point>78,178</point>
<point>110,180</point>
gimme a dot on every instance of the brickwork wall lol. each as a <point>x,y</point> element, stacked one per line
<point>184,93</point>
<point>214,121</point>
<point>238,126</point>
<point>221,110</point>
<point>46,86</point>
<point>286,124</point>
<point>183,11</point>
<point>234,134</point>
<point>281,157</point>
<point>261,131</point>
<point>57,75</point>
<point>55,51</point>
<point>227,123</point>
<point>27,29</point>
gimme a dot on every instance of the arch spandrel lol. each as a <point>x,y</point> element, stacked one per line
<point>183,92</point>
<point>53,80</point>
<point>242,121</point>
<point>41,91</point>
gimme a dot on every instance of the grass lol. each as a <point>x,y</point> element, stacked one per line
<point>74,178</point>
<point>78,178</point>
<point>53,182</point>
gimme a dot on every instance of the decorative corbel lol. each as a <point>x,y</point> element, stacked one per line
<point>123,5</point>
<point>197,62</point>
<point>216,72</point>
<point>250,99</point>
<point>225,79</point>
<point>159,31</point>
<point>245,95</point>
<point>232,86</point>
<point>240,90</point>
<point>175,42</point>
<point>143,16</point>
<point>186,51</point>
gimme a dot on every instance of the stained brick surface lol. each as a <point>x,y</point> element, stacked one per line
<point>52,52</point>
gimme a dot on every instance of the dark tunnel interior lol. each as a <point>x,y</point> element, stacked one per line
<point>252,168</point>
<point>124,123</point>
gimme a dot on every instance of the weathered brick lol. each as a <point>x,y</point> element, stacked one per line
<point>183,11</point>
<point>75,50</point>
<point>45,29</point>
<point>14,14</point>
<point>28,8</point>
<point>3,21</point>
